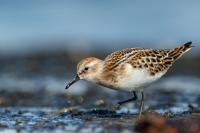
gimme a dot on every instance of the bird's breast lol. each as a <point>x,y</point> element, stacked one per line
<point>136,78</point>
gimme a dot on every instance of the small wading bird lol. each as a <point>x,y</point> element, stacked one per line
<point>130,69</point>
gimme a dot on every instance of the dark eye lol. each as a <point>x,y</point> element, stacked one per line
<point>86,68</point>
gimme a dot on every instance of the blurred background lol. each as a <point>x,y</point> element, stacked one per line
<point>41,42</point>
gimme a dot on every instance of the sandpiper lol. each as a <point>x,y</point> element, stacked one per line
<point>130,69</point>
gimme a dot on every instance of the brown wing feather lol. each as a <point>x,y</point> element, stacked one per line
<point>179,51</point>
<point>116,58</point>
<point>154,60</point>
<point>158,60</point>
<point>150,59</point>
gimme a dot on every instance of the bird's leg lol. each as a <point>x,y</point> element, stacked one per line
<point>129,100</point>
<point>141,104</point>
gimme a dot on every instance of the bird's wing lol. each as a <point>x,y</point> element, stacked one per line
<point>116,58</point>
<point>153,60</point>
<point>157,60</point>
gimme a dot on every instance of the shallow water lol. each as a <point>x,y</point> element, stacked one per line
<point>96,120</point>
<point>39,103</point>
<point>36,119</point>
<point>44,120</point>
<point>88,113</point>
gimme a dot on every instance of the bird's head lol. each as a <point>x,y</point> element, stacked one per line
<point>87,69</point>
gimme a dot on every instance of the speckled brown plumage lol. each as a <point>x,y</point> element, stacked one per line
<point>154,60</point>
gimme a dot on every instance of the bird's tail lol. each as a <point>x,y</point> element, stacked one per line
<point>179,51</point>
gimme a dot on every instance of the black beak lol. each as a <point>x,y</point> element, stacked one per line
<point>73,81</point>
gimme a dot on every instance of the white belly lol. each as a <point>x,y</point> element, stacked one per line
<point>135,79</point>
